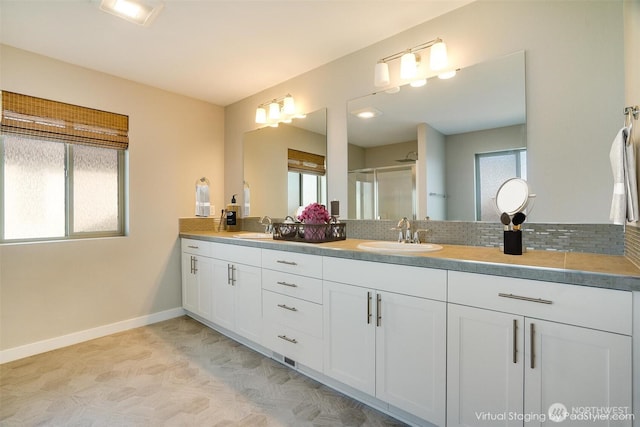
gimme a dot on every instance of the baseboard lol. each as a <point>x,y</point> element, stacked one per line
<point>43,346</point>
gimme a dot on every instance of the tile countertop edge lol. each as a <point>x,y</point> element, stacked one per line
<point>539,273</point>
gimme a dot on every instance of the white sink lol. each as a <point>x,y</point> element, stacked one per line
<point>397,247</point>
<point>253,236</point>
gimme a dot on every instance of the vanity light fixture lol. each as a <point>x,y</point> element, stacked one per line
<point>409,62</point>
<point>279,110</point>
<point>141,12</point>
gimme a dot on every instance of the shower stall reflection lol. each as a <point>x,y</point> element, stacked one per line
<point>383,193</point>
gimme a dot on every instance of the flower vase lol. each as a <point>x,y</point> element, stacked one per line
<point>315,231</point>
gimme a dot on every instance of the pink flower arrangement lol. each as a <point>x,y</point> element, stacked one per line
<point>315,213</point>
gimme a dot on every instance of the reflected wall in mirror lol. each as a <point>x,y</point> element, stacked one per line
<point>277,183</point>
<point>450,130</point>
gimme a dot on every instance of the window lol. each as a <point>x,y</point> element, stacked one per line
<point>492,169</point>
<point>62,169</point>
<point>306,178</point>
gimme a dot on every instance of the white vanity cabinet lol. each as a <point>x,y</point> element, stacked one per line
<point>197,277</point>
<point>516,347</point>
<point>292,306</point>
<point>385,333</point>
<point>236,290</point>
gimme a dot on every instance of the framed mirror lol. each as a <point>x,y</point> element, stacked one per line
<point>285,166</point>
<point>450,134</point>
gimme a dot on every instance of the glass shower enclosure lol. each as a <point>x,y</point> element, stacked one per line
<point>383,193</point>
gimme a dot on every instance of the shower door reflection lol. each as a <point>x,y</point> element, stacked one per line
<point>383,193</point>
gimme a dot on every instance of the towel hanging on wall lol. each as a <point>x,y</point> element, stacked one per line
<point>624,203</point>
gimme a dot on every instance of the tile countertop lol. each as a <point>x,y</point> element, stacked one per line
<point>603,271</point>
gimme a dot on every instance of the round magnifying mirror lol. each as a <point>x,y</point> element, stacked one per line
<point>512,196</point>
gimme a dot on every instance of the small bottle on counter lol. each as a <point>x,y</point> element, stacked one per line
<point>232,214</point>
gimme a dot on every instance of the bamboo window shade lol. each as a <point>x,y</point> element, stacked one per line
<point>52,120</point>
<point>301,161</point>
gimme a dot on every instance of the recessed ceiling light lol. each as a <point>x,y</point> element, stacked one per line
<point>367,113</point>
<point>136,11</point>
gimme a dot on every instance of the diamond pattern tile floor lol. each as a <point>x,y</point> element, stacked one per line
<point>173,373</point>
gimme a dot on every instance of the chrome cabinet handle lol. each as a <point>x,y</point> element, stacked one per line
<point>532,338</point>
<point>230,276</point>
<point>379,310</point>
<point>193,247</point>
<point>191,266</point>
<point>538,300</point>
<point>286,307</point>
<point>195,265</point>
<point>286,338</point>
<point>280,261</point>
<point>291,285</point>
<point>515,341</point>
<point>233,275</point>
<point>368,308</point>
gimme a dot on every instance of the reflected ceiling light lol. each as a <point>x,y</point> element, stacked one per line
<point>141,12</point>
<point>279,110</point>
<point>418,83</point>
<point>409,62</point>
<point>447,74</point>
<point>367,113</point>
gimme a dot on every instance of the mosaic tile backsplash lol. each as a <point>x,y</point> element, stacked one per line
<point>607,239</point>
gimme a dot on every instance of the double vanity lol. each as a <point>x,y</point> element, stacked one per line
<point>451,336</point>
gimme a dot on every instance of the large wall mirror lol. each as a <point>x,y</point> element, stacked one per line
<point>284,166</point>
<point>442,150</point>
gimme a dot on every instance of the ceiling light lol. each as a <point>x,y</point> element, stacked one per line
<point>438,59</point>
<point>447,74</point>
<point>137,11</point>
<point>279,110</point>
<point>409,61</point>
<point>418,83</point>
<point>408,66</point>
<point>261,115</point>
<point>381,74</point>
<point>367,113</point>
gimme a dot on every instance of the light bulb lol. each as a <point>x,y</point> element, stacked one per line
<point>261,115</point>
<point>289,107</point>
<point>408,66</point>
<point>274,111</point>
<point>381,78</point>
<point>438,59</point>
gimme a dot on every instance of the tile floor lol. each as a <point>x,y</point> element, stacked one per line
<point>172,373</point>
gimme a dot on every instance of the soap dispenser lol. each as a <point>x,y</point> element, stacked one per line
<point>232,214</point>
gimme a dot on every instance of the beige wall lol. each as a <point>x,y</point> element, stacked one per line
<point>52,289</point>
<point>575,95</point>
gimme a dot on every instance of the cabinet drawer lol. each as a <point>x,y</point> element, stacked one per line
<point>605,309</point>
<point>238,254</point>
<point>303,348</point>
<point>401,279</point>
<point>197,247</point>
<point>292,262</point>
<point>299,315</point>
<point>304,287</point>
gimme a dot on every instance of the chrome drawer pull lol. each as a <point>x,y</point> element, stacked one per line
<point>286,338</point>
<point>379,310</point>
<point>286,307</point>
<point>532,338</point>
<point>538,300</point>
<point>515,341</point>
<point>291,285</point>
<point>193,247</point>
<point>280,261</point>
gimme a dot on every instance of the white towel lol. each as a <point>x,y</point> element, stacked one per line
<point>624,203</point>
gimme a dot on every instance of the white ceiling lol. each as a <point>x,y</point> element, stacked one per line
<point>214,50</point>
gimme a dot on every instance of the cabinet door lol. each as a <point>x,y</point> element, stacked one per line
<point>189,284</point>
<point>204,273</point>
<point>578,368</point>
<point>248,301</point>
<point>222,312</point>
<point>411,356</point>
<point>484,367</point>
<point>349,335</point>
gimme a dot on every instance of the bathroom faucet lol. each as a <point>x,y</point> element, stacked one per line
<point>417,235</point>
<point>268,225</point>
<point>404,226</point>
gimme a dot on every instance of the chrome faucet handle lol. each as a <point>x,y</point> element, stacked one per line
<point>268,224</point>
<point>417,235</point>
